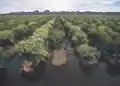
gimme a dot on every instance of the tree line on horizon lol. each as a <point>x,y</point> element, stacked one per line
<point>62,12</point>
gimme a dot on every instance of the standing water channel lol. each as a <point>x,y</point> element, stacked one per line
<point>69,74</point>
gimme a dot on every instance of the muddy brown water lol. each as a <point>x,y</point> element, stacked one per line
<point>68,75</point>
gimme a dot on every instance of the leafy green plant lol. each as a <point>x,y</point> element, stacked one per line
<point>6,34</point>
<point>89,53</point>
<point>36,45</point>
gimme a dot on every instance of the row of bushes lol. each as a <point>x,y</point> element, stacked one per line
<point>103,33</point>
<point>7,22</point>
<point>28,35</point>
<point>56,35</point>
<point>37,45</point>
<point>80,41</point>
<point>22,31</point>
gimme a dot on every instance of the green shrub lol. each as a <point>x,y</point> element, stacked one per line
<point>36,45</point>
<point>6,34</point>
<point>88,52</point>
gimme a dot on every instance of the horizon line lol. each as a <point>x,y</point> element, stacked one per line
<point>50,11</point>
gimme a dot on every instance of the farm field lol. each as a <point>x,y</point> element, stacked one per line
<point>33,39</point>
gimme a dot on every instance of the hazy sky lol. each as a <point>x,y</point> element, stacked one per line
<point>58,5</point>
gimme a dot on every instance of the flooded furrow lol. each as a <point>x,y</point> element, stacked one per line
<point>70,74</point>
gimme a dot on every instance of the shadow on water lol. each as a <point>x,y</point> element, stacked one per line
<point>87,70</point>
<point>113,71</point>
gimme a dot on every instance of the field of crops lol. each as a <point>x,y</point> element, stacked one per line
<point>92,37</point>
<point>15,28</point>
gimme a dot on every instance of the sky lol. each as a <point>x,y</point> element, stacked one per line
<point>59,5</point>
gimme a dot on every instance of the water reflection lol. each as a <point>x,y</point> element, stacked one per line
<point>72,74</point>
<point>113,70</point>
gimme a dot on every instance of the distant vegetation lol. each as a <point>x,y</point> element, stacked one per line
<point>92,36</point>
<point>17,28</point>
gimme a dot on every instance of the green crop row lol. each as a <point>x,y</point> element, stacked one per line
<point>80,41</point>
<point>36,44</point>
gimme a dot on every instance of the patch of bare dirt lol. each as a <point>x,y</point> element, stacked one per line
<point>59,57</point>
